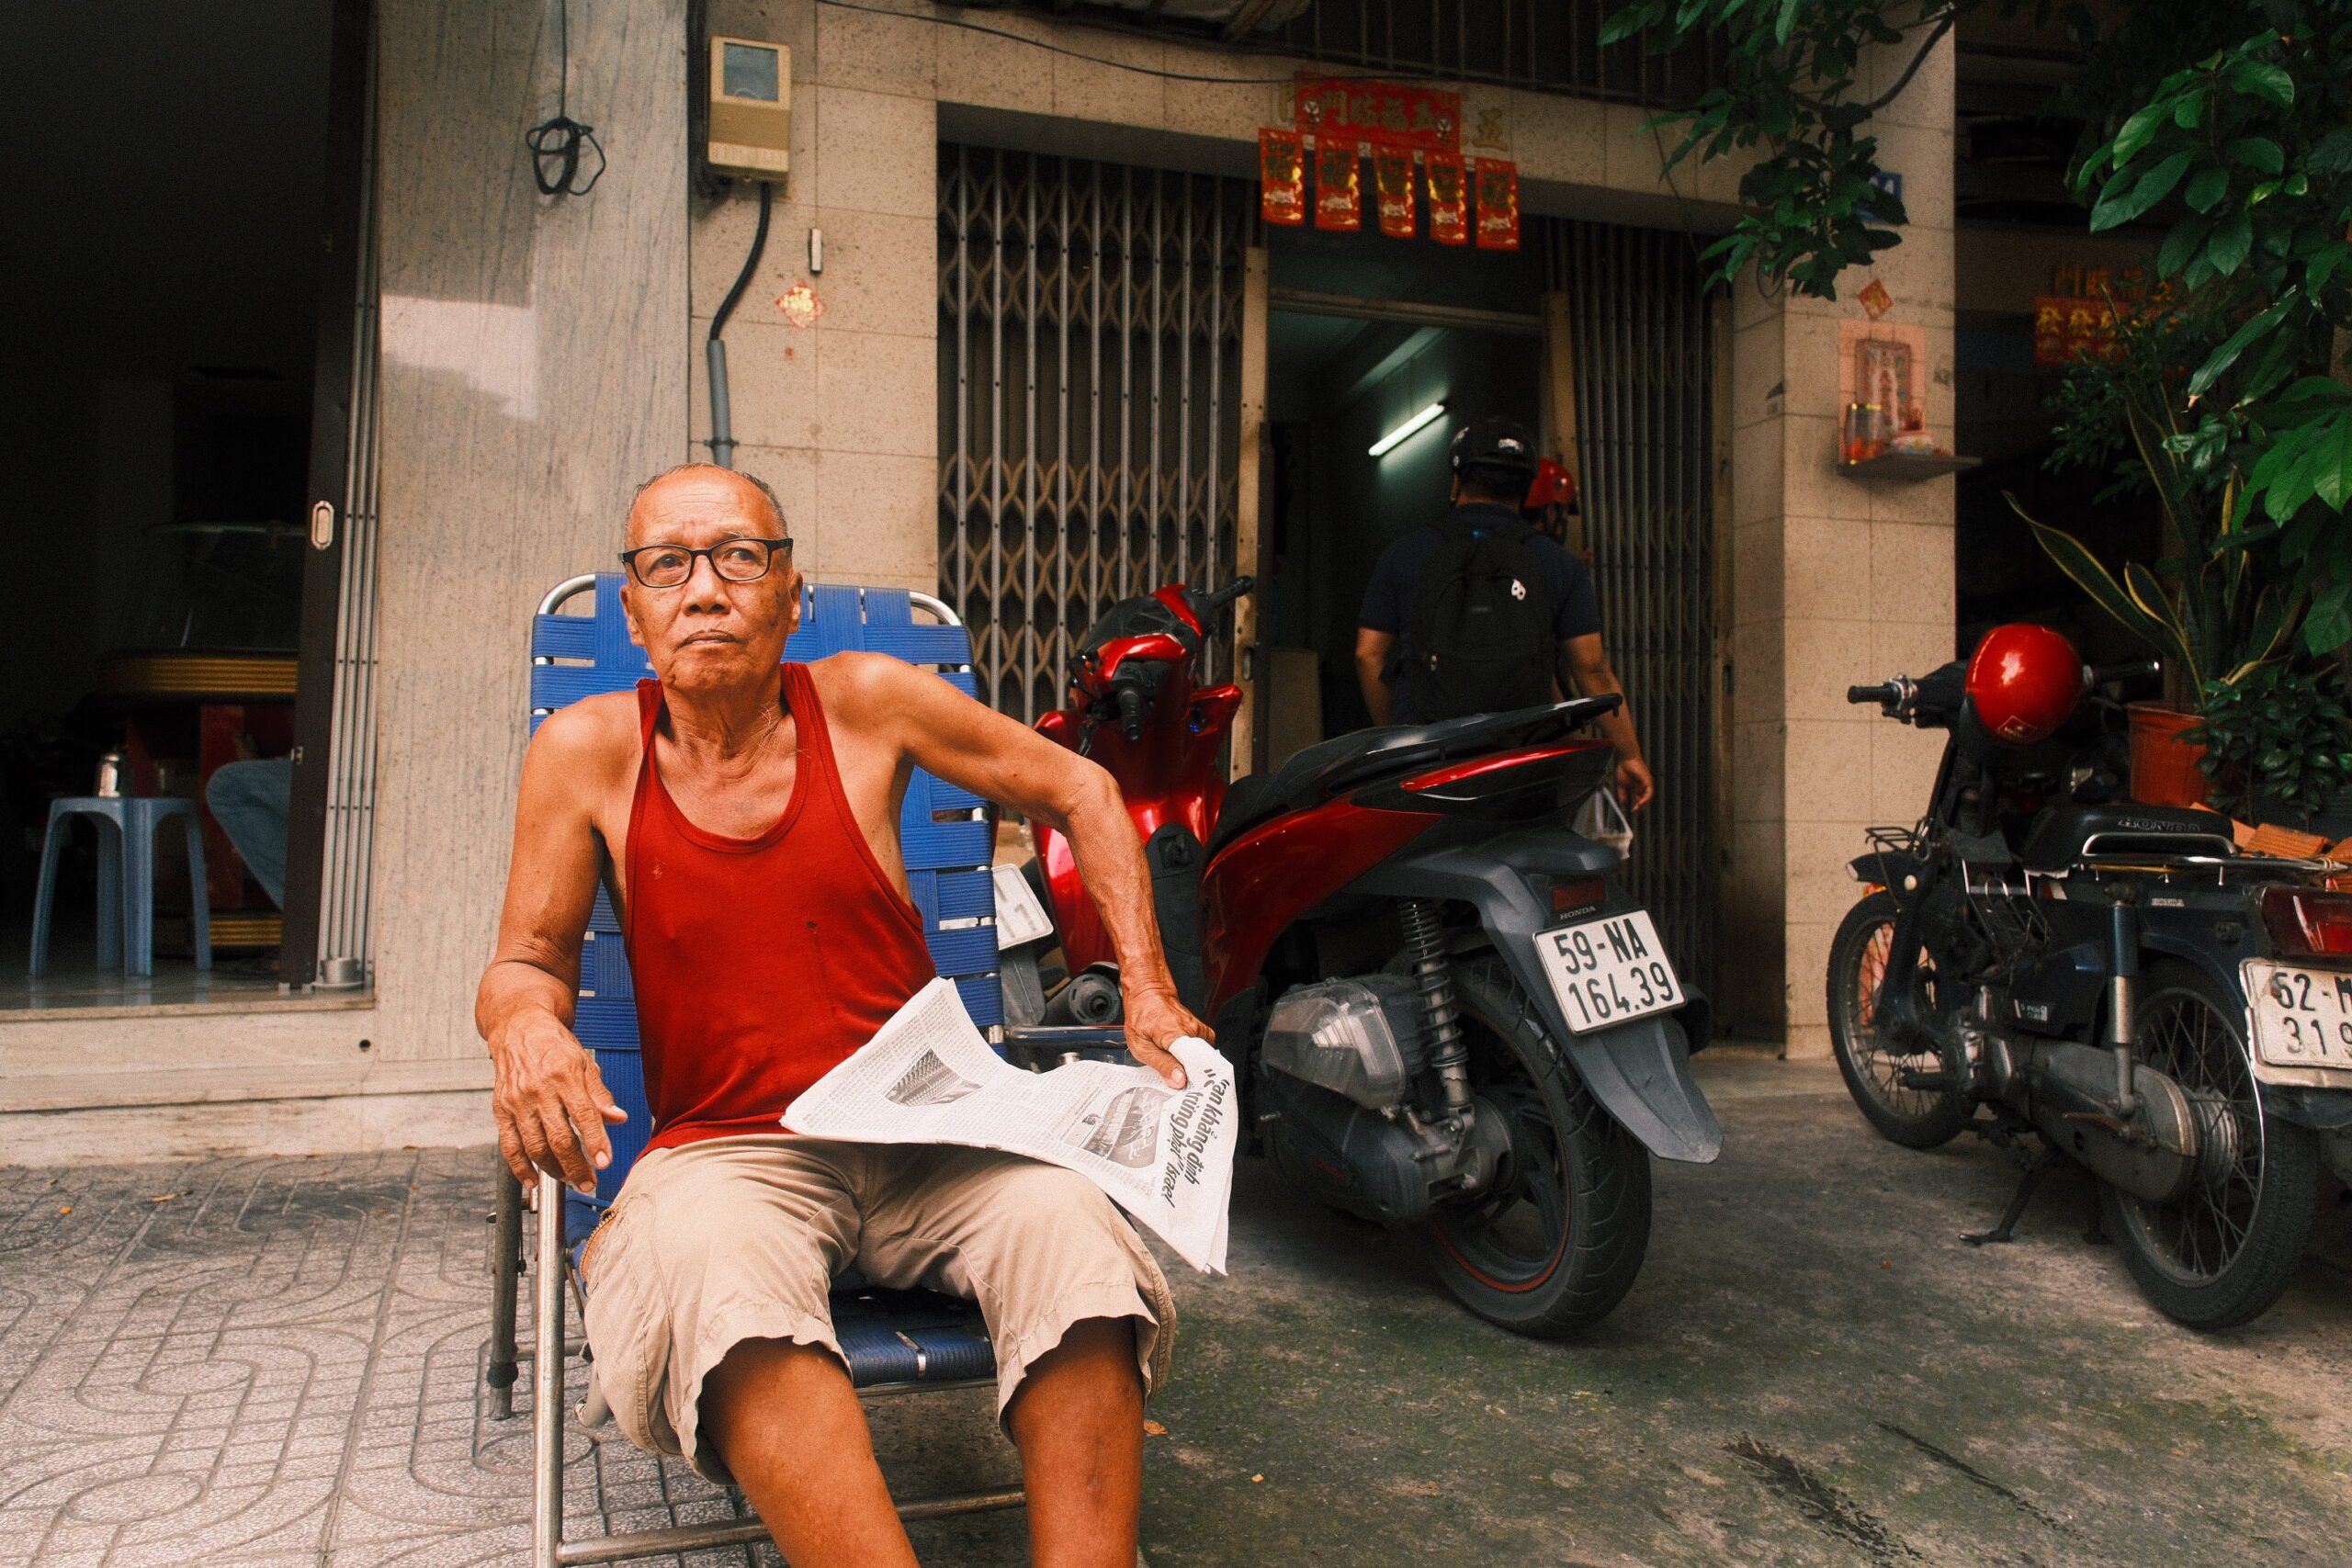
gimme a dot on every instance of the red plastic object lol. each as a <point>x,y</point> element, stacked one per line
<point>2024,681</point>
<point>1552,486</point>
<point>2308,924</point>
<point>2166,770</point>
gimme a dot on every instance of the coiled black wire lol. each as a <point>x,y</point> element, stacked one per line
<point>556,144</point>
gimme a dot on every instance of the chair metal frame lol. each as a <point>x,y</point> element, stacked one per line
<point>957,889</point>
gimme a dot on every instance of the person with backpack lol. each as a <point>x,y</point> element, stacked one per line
<point>1477,612</point>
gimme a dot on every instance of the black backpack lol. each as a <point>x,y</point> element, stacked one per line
<point>1480,637</point>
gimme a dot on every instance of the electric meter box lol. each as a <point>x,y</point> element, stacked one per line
<point>750,109</point>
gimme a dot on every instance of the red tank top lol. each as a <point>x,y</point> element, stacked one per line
<point>759,963</point>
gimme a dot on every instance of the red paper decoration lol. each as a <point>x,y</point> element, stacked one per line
<point>1392,179</point>
<point>1282,178</point>
<point>1378,114</point>
<point>1449,202</point>
<point>1339,186</point>
<point>1497,205</point>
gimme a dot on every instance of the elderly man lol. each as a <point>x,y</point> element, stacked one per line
<point>743,815</point>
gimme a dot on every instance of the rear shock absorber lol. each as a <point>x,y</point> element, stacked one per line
<point>1425,947</point>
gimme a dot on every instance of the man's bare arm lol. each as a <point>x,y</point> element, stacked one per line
<point>1592,675</point>
<point>1371,666</point>
<point>549,1101</point>
<point>979,750</point>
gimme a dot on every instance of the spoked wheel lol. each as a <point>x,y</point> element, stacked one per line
<point>2222,1252</point>
<point>1882,1079</point>
<point>1555,1241</point>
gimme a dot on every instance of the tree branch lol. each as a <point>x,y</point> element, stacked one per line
<point>1912,70</point>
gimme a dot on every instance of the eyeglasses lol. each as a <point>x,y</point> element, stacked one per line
<point>736,561</point>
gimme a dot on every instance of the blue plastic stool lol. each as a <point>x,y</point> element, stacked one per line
<point>126,880</point>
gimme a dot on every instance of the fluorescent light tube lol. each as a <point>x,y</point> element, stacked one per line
<point>1402,431</point>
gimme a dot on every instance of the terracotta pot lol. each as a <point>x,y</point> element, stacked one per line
<point>2165,768</point>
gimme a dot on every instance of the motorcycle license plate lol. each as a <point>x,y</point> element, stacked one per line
<point>2302,1018</point>
<point>1608,971</point>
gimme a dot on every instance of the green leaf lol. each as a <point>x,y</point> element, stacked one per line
<point>2332,464</point>
<point>2332,154</point>
<point>2093,578</point>
<point>2231,242</point>
<point>2187,237</point>
<point>2224,356</point>
<point>2150,188</point>
<point>2260,79</point>
<point>2258,153</point>
<point>2137,132</point>
<point>1787,20</point>
<point>2188,110</point>
<point>2206,186</point>
<point>2329,625</point>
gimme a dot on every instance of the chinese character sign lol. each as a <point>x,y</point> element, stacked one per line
<point>1282,178</point>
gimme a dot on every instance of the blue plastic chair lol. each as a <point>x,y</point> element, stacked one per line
<point>895,1341</point>
<point>127,826</point>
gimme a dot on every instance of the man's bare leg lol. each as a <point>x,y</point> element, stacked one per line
<point>788,1425</point>
<point>1078,1420</point>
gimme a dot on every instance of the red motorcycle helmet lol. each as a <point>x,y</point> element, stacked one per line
<point>1552,486</point>
<point>2024,681</point>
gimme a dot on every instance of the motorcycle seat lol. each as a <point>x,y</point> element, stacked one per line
<point>1321,771</point>
<point>2068,835</point>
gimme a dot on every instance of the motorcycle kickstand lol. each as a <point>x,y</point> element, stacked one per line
<point>2036,1168</point>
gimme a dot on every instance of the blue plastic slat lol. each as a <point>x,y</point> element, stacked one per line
<point>920,645</point>
<point>561,685</point>
<point>563,636</point>
<point>624,1076</point>
<point>606,1023</point>
<point>964,950</point>
<point>962,681</point>
<point>945,846</point>
<point>922,890</point>
<point>962,894</point>
<point>609,972</point>
<point>983,998</point>
<point>614,649</point>
<point>911,1336</point>
<point>601,919</point>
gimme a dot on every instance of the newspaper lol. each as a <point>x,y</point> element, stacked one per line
<point>1163,1155</point>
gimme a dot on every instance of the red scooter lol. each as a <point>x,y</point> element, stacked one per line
<point>1443,1013</point>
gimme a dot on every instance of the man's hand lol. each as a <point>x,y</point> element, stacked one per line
<point>1156,1021</point>
<point>550,1102</point>
<point>1635,786</point>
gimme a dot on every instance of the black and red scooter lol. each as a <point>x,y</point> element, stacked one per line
<point>1445,1014</point>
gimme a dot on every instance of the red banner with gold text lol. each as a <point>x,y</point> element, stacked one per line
<point>1282,177</point>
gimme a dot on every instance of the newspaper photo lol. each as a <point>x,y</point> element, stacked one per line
<point>1163,1155</point>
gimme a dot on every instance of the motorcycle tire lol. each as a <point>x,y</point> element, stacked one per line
<point>1915,1118</point>
<point>1555,1243</point>
<point>2191,1027</point>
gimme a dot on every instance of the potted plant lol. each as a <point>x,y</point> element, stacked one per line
<point>2225,631</point>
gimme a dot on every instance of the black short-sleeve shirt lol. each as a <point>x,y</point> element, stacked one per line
<point>1403,571</point>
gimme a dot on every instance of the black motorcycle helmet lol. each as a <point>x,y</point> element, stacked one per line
<point>1498,452</point>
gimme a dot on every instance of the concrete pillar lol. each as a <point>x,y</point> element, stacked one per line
<point>1835,581</point>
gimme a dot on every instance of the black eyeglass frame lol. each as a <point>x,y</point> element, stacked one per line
<point>774,548</point>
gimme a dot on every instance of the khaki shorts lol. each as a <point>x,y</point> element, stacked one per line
<point>714,1243</point>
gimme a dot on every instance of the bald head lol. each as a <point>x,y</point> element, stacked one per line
<point>706,488</point>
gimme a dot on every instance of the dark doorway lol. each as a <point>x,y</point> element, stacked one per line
<point>182,188</point>
<point>1367,334</point>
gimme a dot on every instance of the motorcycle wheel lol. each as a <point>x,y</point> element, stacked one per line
<point>1555,1241</point>
<point>1915,1118</point>
<point>2223,1252</point>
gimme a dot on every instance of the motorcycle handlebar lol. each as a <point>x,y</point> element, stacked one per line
<point>2129,670</point>
<point>1132,703</point>
<point>1207,604</point>
<point>1883,693</point>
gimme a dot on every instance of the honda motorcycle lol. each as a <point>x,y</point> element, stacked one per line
<point>1444,1014</point>
<point>2042,959</point>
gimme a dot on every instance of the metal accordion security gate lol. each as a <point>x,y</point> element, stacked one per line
<point>1090,371</point>
<point>1640,320</point>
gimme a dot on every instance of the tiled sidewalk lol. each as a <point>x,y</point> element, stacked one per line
<point>182,1347</point>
